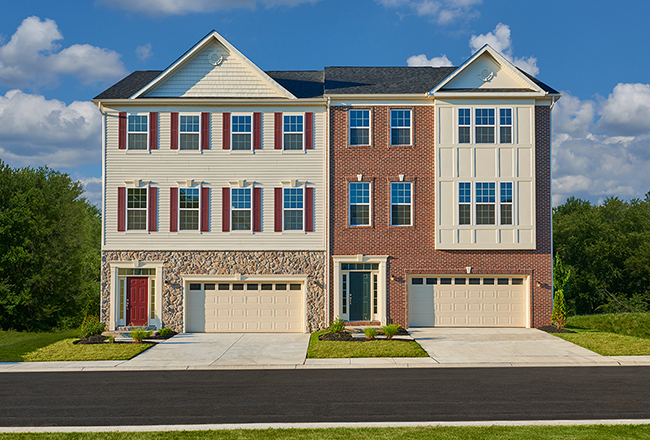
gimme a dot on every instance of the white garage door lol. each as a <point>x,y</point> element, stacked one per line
<point>245,307</point>
<point>456,301</point>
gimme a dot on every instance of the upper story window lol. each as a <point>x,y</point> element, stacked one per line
<point>505,125</point>
<point>359,127</point>
<point>484,125</point>
<point>241,209</point>
<point>136,209</point>
<point>400,127</point>
<point>137,133</point>
<point>190,132</point>
<point>242,137</point>
<point>359,205</point>
<point>293,128</point>
<point>188,215</point>
<point>485,203</point>
<point>464,203</point>
<point>293,208</point>
<point>506,203</point>
<point>464,125</point>
<point>401,206</point>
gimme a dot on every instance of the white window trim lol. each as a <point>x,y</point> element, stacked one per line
<point>302,188</point>
<point>512,204</point>
<point>136,132</point>
<point>127,209</point>
<point>471,125</point>
<point>496,203</point>
<point>369,128</point>
<point>495,126</point>
<point>410,127</point>
<point>512,124</point>
<point>232,210</point>
<point>189,132</point>
<point>390,220</point>
<point>369,206</point>
<point>304,119</point>
<point>252,132</point>
<point>471,199</point>
<point>178,216</point>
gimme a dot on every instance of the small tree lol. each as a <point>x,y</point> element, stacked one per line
<point>561,282</point>
<point>559,309</point>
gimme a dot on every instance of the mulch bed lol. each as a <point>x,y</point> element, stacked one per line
<point>99,339</point>
<point>554,329</point>
<point>347,336</point>
<point>158,336</point>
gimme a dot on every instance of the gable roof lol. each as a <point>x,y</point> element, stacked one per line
<point>301,83</point>
<point>383,80</point>
<point>125,88</point>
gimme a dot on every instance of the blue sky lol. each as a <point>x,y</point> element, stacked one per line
<point>54,59</point>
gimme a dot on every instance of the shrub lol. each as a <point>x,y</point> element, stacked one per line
<point>559,309</point>
<point>139,333</point>
<point>91,327</point>
<point>370,332</point>
<point>391,330</point>
<point>111,338</point>
<point>338,325</point>
<point>164,332</point>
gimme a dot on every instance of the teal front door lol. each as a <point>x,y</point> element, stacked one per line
<point>359,296</point>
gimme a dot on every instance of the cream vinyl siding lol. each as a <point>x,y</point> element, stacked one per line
<point>233,78</point>
<point>502,76</point>
<point>473,163</point>
<point>215,168</point>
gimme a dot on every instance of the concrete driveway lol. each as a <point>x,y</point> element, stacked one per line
<point>201,350</point>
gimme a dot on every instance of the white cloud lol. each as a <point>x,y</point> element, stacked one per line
<point>35,131</point>
<point>626,111</point>
<point>499,39</point>
<point>31,57</point>
<point>443,12</point>
<point>144,52</point>
<point>422,60</point>
<point>573,116</point>
<point>92,189</point>
<point>184,7</point>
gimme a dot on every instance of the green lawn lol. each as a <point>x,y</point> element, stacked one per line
<point>15,345</point>
<point>351,349</point>
<point>65,350</point>
<point>588,432</point>
<point>630,324</point>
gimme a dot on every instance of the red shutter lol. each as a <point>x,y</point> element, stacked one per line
<point>309,131</point>
<point>153,131</point>
<point>226,131</point>
<point>257,209</point>
<point>278,131</point>
<point>309,209</point>
<point>153,209</point>
<point>121,142</point>
<point>205,131</point>
<point>257,131</point>
<point>205,209</point>
<point>174,131</point>
<point>225,209</point>
<point>278,209</point>
<point>121,208</point>
<point>173,210</point>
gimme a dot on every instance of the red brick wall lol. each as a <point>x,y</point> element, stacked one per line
<point>411,249</point>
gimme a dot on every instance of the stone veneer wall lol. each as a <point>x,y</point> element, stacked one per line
<point>178,263</point>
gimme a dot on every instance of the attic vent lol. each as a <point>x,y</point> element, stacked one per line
<point>485,75</point>
<point>215,58</point>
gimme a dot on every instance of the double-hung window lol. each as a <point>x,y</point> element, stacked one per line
<point>136,209</point>
<point>359,127</point>
<point>484,125</point>
<point>401,206</point>
<point>400,127</point>
<point>506,202</point>
<point>188,214</point>
<point>464,203</point>
<point>241,209</point>
<point>359,203</point>
<point>293,208</point>
<point>137,133</point>
<point>505,125</point>
<point>190,132</point>
<point>485,203</point>
<point>242,137</point>
<point>293,132</point>
<point>464,125</point>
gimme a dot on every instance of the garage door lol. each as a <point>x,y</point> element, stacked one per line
<point>245,307</point>
<point>467,302</point>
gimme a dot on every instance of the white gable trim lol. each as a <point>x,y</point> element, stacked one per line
<point>213,35</point>
<point>501,60</point>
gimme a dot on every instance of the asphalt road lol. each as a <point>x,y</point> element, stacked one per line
<point>329,395</point>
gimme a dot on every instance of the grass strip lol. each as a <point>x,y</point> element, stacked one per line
<point>353,349</point>
<point>15,345</point>
<point>65,350</point>
<point>606,343</point>
<point>630,324</point>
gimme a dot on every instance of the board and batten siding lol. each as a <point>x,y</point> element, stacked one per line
<point>485,163</point>
<point>215,167</point>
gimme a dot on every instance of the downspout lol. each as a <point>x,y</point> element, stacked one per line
<point>326,286</point>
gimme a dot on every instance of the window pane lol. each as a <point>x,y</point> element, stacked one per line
<point>484,116</point>
<point>503,281</point>
<point>463,116</point>
<point>485,192</point>
<point>465,214</point>
<point>400,192</point>
<point>463,135</point>
<point>188,220</point>
<point>474,281</point>
<point>136,220</point>
<point>505,135</point>
<point>295,286</point>
<point>417,280</point>
<point>400,122</point>
<point>241,141</point>
<point>484,126</point>
<point>360,136</point>
<point>195,286</point>
<point>293,141</point>
<point>189,124</point>
<point>224,286</point>
<point>484,214</point>
<point>517,281</point>
<point>445,280</point>
<point>464,192</point>
<point>251,286</point>
<point>484,135</point>
<point>359,118</point>
<point>505,116</point>
<point>293,220</point>
<point>293,198</point>
<point>241,220</point>
<point>506,192</point>
<point>267,286</point>
<point>138,123</point>
<point>488,280</point>
<point>189,141</point>
<point>359,215</point>
<point>506,214</point>
<point>241,198</point>
<point>137,198</point>
<point>189,198</point>
<point>459,281</point>
<point>432,281</point>
<point>401,215</point>
<point>210,286</point>
<point>400,136</point>
<point>293,124</point>
<point>137,141</point>
<point>241,124</point>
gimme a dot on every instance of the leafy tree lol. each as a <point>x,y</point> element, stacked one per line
<point>49,250</point>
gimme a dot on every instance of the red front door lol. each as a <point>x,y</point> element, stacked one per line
<point>136,310</point>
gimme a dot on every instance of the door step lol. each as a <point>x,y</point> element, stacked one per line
<point>362,323</point>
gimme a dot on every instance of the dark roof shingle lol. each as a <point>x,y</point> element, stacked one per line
<point>383,80</point>
<point>129,85</point>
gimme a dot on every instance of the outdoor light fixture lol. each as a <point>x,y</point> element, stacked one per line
<point>538,284</point>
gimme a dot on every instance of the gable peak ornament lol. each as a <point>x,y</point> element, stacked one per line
<point>485,75</point>
<point>215,58</point>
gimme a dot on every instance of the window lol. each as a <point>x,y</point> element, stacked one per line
<point>188,215</point>
<point>400,203</point>
<point>464,125</point>
<point>417,280</point>
<point>136,209</point>
<point>400,127</point>
<point>152,304</point>
<point>137,133</point>
<point>293,132</point>
<point>484,125</point>
<point>242,138</point>
<point>189,132</point>
<point>485,201</point>
<point>359,203</point>
<point>344,291</point>
<point>360,266</point>
<point>506,203</point>
<point>359,127</point>
<point>293,209</point>
<point>505,125</point>
<point>464,203</point>
<point>241,209</point>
